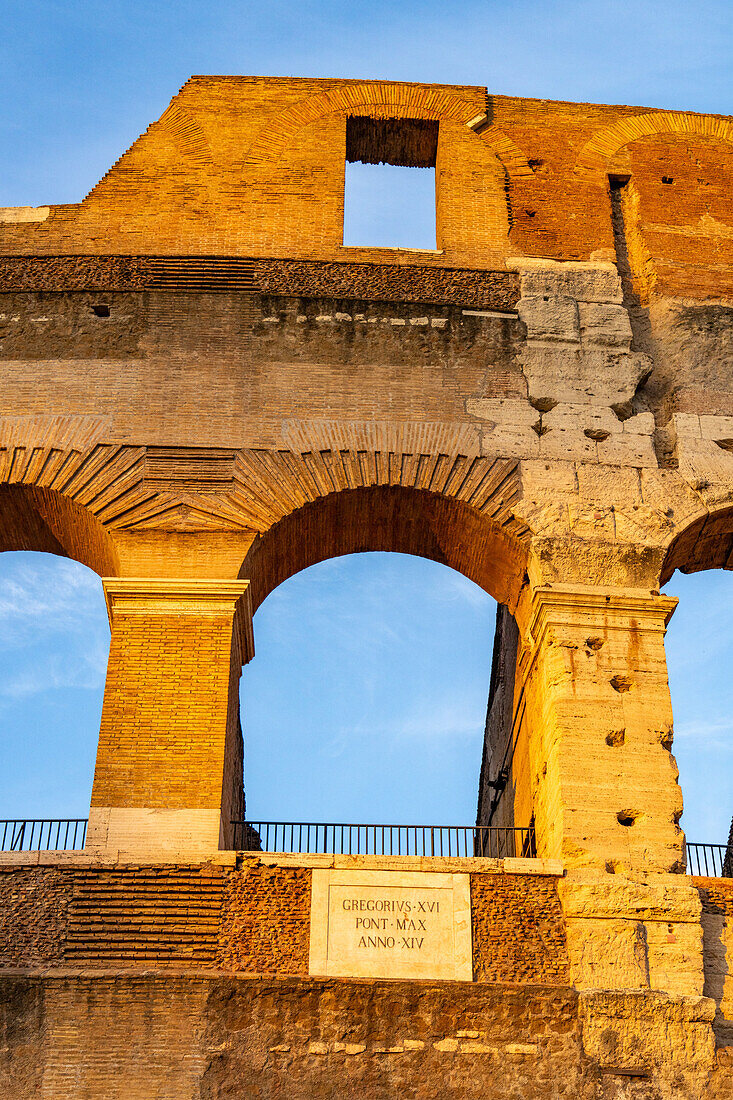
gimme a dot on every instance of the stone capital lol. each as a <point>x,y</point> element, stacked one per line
<point>151,597</point>
<point>597,607</point>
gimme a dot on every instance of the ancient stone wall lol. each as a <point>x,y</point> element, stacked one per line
<point>250,916</point>
<point>204,392</point>
<point>186,1036</point>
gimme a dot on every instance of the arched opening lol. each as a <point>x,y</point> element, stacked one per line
<point>699,647</point>
<point>390,518</point>
<point>32,518</point>
<point>54,643</point>
<point>367,698</point>
<point>368,704</point>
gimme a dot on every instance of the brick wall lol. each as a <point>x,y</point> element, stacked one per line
<point>518,930</point>
<point>166,712</point>
<point>255,167</point>
<point>184,1037</point>
<point>265,925</point>
<point>34,904</point>
<point>254,919</point>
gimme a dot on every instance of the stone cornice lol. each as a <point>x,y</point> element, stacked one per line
<point>149,596</point>
<point>610,607</point>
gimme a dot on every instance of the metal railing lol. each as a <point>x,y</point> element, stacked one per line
<point>382,840</point>
<point>709,860</point>
<point>43,834</point>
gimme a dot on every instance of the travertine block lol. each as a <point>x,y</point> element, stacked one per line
<point>675,957</point>
<point>587,282</point>
<point>569,444</point>
<point>645,1034</point>
<point>627,450</point>
<point>607,954</point>
<point>605,325</point>
<point>590,799</point>
<point>583,417</point>
<point>551,319</point>
<point>716,427</point>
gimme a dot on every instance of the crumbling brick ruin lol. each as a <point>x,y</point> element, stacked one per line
<point>204,392</point>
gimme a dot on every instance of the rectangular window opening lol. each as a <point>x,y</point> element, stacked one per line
<point>389,200</point>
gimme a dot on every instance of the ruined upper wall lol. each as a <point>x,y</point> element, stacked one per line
<point>254,166</point>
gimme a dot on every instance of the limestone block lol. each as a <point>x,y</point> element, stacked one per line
<point>553,319</point>
<point>588,282</point>
<point>570,444</point>
<point>640,424</point>
<point>669,1038</point>
<point>605,324</point>
<point>657,925</point>
<point>541,481</point>
<point>675,957</point>
<point>687,424</point>
<point>553,373</point>
<point>583,417</point>
<point>617,487</point>
<point>506,412</point>
<point>716,427</point>
<point>613,377</point>
<point>607,954</point>
<point>595,376</point>
<point>509,430</point>
<point>717,929</point>
<point>627,450</point>
<point>664,897</point>
<point>506,442</point>
<point>702,462</point>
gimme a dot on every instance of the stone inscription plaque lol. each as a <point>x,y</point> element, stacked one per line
<point>390,924</point>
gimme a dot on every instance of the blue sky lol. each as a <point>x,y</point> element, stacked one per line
<point>367,695</point>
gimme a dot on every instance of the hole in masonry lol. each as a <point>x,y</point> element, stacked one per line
<point>543,404</point>
<point>594,643</point>
<point>666,740</point>
<point>540,428</point>
<point>626,818</point>
<point>598,435</point>
<point>667,179</point>
<point>615,738</point>
<point>623,410</point>
<point>100,310</point>
<point>621,684</point>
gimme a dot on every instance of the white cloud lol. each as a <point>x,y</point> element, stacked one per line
<point>709,735</point>
<point>447,721</point>
<point>40,596</point>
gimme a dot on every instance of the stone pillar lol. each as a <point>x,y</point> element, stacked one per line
<point>168,776</point>
<point>595,722</point>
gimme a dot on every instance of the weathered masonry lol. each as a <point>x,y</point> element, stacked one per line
<point>204,392</point>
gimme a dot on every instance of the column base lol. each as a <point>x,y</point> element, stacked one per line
<point>152,833</point>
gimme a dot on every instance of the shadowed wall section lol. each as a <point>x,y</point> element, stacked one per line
<point>408,521</point>
<point>32,518</point>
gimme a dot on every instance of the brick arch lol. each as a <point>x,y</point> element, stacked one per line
<point>705,543</point>
<point>605,143</point>
<point>391,518</point>
<point>394,100</point>
<point>34,518</point>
